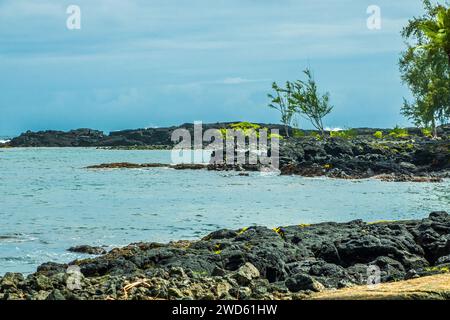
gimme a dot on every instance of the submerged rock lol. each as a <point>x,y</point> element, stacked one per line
<point>87,249</point>
<point>126,165</point>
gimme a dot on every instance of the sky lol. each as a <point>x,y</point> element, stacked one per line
<point>150,63</point>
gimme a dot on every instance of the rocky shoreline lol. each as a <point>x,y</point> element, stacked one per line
<point>252,263</point>
<point>366,153</point>
<point>413,159</point>
<point>387,160</point>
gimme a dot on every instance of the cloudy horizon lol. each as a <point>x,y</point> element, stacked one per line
<point>138,63</point>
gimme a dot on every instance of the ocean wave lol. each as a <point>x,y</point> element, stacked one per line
<point>4,141</point>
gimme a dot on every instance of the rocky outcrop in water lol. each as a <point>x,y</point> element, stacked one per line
<point>387,160</point>
<point>128,165</point>
<point>251,263</point>
<point>87,250</point>
<point>394,159</point>
<point>411,158</point>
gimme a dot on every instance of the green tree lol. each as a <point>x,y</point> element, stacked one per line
<point>437,30</point>
<point>281,100</point>
<point>309,103</point>
<point>425,69</point>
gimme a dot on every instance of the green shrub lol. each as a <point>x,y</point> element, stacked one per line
<point>223,132</point>
<point>245,126</point>
<point>350,133</point>
<point>398,132</point>
<point>248,128</point>
<point>297,133</point>
<point>346,134</point>
<point>316,135</point>
<point>378,135</point>
<point>275,135</point>
<point>427,132</point>
<point>335,134</point>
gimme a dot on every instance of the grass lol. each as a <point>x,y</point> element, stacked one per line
<point>430,287</point>
<point>440,269</point>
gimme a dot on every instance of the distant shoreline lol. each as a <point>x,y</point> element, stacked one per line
<point>154,137</point>
<point>403,155</point>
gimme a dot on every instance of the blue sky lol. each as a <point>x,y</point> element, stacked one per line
<point>156,63</point>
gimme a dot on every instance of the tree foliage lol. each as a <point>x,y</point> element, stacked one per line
<point>437,30</point>
<point>301,97</point>
<point>425,67</point>
<point>281,100</point>
<point>309,102</point>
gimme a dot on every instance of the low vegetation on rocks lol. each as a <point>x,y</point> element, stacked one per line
<point>400,156</point>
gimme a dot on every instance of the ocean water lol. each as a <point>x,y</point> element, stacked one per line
<point>50,202</point>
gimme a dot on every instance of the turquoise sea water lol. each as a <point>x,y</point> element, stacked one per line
<point>49,202</point>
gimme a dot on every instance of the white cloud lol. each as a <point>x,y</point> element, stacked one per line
<point>238,80</point>
<point>350,28</point>
<point>18,9</point>
<point>165,28</point>
<point>333,129</point>
<point>198,86</point>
